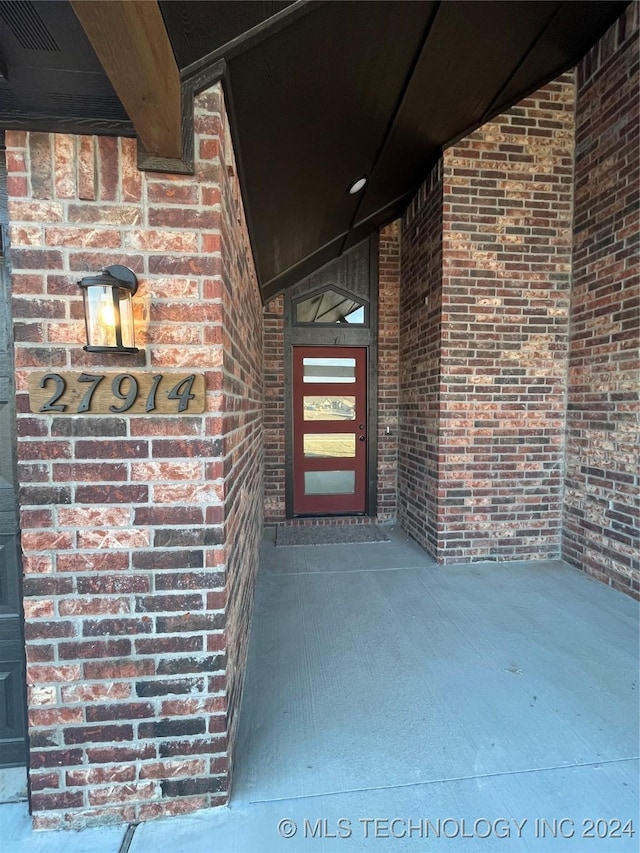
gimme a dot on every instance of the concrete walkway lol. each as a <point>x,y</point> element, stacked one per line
<point>391,704</point>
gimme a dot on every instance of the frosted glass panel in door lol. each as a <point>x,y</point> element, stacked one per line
<point>329,482</point>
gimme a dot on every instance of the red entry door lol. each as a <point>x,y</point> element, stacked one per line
<point>329,430</point>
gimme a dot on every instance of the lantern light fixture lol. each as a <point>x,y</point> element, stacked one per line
<point>108,310</point>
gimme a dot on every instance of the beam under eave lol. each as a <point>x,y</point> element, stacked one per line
<point>131,42</point>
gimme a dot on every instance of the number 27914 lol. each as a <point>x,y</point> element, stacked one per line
<point>99,393</point>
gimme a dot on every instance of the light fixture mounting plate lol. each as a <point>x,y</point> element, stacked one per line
<point>124,274</point>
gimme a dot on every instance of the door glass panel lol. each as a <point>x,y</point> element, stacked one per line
<point>329,444</point>
<point>329,408</point>
<point>329,369</point>
<point>329,482</point>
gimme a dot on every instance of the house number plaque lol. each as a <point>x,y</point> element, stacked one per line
<point>116,393</point>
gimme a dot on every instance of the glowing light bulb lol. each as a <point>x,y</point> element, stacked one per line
<point>106,310</point>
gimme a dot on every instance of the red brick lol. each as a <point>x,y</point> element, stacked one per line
<point>108,538</point>
<point>100,775</point>
<point>111,562</point>
<point>116,585</point>
<point>183,806</point>
<point>94,649</point>
<point>112,669</point>
<point>38,609</point>
<point>86,168</point>
<point>43,781</point>
<point>65,171</point>
<point>91,237</point>
<point>163,241</point>
<point>55,716</point>
<point>111,215</point>
<point>168,193</point>
<point>108,172</point>
<point>85,259</point>
<point>131,177</point>
<point>23,307</point>
<point>120,494</point>
<point>98,734</point>
<point>122,793</point>
<point>38,630</point>
<point>117,627</point>
<point>111,754</point>
<point>119,711</point>
<point>55,758</point>
<point>62,800</point>
<point>47,540</point>
<point>36,563</point>
<point>84,606</point>
<point>171,769</point>
<point>44,674</point>
<point>93,692</point>
<point>88,472</point>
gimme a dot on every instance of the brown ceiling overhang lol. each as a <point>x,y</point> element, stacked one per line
<point>319,94</point>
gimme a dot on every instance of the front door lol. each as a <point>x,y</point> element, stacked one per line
<point>329,430</point>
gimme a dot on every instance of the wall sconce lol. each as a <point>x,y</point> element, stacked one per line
<point>108,310</point>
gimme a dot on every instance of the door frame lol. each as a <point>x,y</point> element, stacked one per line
<point>357,272</point>
<point>14,751</point>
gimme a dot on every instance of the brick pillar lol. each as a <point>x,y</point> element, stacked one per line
<point>601,510</point>
<point>274,413</point>
<point>388,367</point>
<point>139,533</point>
<point>420,344</point>
<point>486,269</point>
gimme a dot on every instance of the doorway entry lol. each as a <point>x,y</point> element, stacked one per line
<point>329,430</point>
<point>331,387</point>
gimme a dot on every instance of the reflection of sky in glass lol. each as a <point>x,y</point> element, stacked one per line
<point>329,307</point>
<point>329,369</point>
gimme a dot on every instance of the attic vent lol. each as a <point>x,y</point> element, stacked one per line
<point>102,106</point>
<point>27,25</point>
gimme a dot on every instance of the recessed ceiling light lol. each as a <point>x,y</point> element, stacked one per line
<point>356,186</point>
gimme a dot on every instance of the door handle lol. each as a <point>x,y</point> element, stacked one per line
<point>360,426</point>
<point>362,438</point>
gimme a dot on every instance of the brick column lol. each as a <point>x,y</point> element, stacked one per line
<point>420,344</point>
<point>388,370</point>
<point>601,512</point>
<point>274,414</point>
<point>139,533</point>
<point>486,269</point>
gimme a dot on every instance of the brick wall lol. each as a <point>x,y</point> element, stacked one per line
<point>601,514</point>
<point>242,430</point>
<point>388,370</point>
<point>420,357</point>
<point>507,207</point>
<point>139,538</point>
<point>276,396</point>
<point>489,430</point>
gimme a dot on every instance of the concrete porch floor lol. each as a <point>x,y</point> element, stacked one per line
<point>393,704</point>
